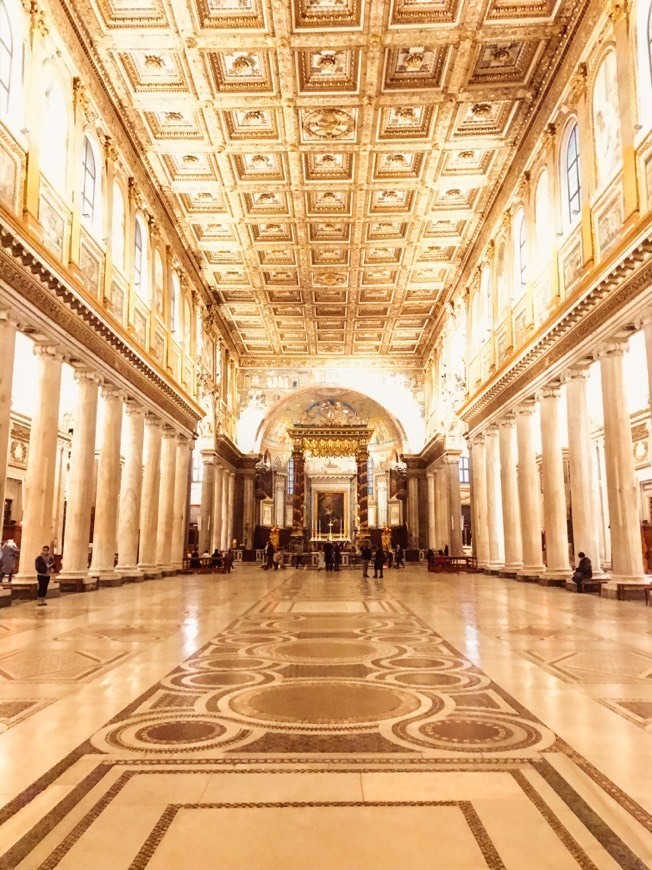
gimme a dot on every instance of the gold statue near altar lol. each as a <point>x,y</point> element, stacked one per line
<point>274,537</point>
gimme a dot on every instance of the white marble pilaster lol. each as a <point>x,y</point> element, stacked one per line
<point>105,532</point>
<point>166,501</point>
<point>150,495</point>
<point>529,493</point>
<point>554,495</point>
<point>509,493</point>
<point>130,492</point>
<point>80,482</point>
<point>280,483</point>
<point>216,524</point>
<point>231,509</point>
<point>181,483</point>
<point>7,354</point>
<point>41,463</point>
<point>622,487</point>
<point>479,494</point>
<point>585,513</point>
<point>224,536</point>
<point>494,502</point>
<point>206,505</point>
<point>452,469</point>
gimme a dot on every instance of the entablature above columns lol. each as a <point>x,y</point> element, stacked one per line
<point>38,296</point>
<point>592,316</point>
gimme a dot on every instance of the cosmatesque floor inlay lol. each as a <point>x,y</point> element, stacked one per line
<point>327,722</point>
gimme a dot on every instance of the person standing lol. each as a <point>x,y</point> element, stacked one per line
<point>269,552</point>
<point>8,559</point>
<point>365,555</point>
<point>43,564</point>
<point>399,557</point>
<point>328,556</point>
<point>379,561</point>
<point>337,557</point>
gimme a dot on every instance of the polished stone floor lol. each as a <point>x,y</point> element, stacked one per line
<point>295,720</point>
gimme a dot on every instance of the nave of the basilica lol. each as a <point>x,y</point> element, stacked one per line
<point>294,291</point>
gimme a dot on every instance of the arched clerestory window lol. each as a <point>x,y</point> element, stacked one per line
<point>520,254</point>
<point>118,230</point>
<point>140,260</point>
<point>572,184</point>
<point>90,187</point>
<point>6,60</point>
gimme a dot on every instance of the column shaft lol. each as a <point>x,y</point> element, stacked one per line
<point>455,507</point>
<point>150,496</point>
<point>528,495</point>
<point>554,495</point>
<point>432,538</point>
<point>224,537</point>
<point>41,463</point>
<point>509,493</point>
<point>413,511</point>
<point>7,354</point>
<point>206,506</point>
<point>622,487</point>
<point>216,528</point>
<point>166,501</point>
<point>479,493</point>
<point>586,518</point>
<point>130,493</point>
<point>249,505</point>
<point>494,501</point>
<point>180,517</point>
<point>229,536</point>
<point>80,481</point>
<point>108,489</point>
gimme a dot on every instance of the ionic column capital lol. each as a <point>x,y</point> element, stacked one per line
<point>616,346</point>
<point>551,391</point>
<point>478,438</point>
<point>52,351</point>
<point>152,421</point>
<point>491,430</point>
<point>528,407</point>
<point>111,393</point>
<point>8,318</point>
<point>208,457</point>
<point>87,376</point>
<point>579,371</point>
<point>133,408</point>
<point>507,420</point>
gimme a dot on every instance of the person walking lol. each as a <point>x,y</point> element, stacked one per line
<point>8,559</point>
<point>43,564</point>
<point>365,556</point>
<point>399,557</point>
<point>379,561</point>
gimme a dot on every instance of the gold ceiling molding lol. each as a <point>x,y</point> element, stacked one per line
<point>288,133</point>
<point>335,440</point>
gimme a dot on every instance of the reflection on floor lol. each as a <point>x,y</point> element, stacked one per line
<point>294,720</point>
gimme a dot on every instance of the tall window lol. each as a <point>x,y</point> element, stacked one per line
<point>89,183</point>
<point>542,219</point>
<point>54,126</point>
<point>291,475</point>
<point>520,252</point>
<point>187,324</point>
<point>486,317</point>
<point>649,40</point>
<point>6,59</point>
<point>370,476</point>
<point>464,469</point>
<point>158,283</point>
<point>118,230</point>
<point>140,260</point>
<point>175,293</point>
<point>573,189</point>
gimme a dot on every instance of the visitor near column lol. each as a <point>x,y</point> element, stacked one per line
<point>44,564</point>
<point>9,560</point>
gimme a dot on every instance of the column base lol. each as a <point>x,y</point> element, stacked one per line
<point>555,577</point>
<point>5,596</point>
<point>73,583</point>
<point>106,578</point>
<point>130,573</point>
<point>493,568</point>
<point>150,572</point>
<point>633,586</point>
<point>530,573</point>
<point>166,570</point>
<point>510,570</point>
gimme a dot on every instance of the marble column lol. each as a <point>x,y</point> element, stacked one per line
<point>586,518</point>
<point>454,506</point>
<point>231,509</point>
<point>41,463</point>
<point>298,493</point>
<point>224,537</point>
<point>622,487</point>
<point>130,492</point>
<point>105,532</point>
<point>479,493</point>
<point>509,494</point>
<point>494,502</point>
<point>206,505</point>
<point>647,330</point>
<point>279,500</point>
<point>7,354</point>
<point>361,459</point>
<point>249,505</point>
<point>413,511</point>
<point>216,522</point>
<point>150,495</point>
<point>59,504</point>
<point>554,495</point>
<point>431,511</point>
<point>529,494</point>
<point>74,569</point>
<point>166,501</point>
<point>180,513</point>
<point>441,508</point>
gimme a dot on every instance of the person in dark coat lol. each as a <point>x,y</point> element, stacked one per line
<point>584,571</point>
<point>216,559</point>
<point>328,556</point>
<point>269,553</point>
<point>44,564</point>
<point>365,556</point>
<point>399,557</point>
<point>379,561</point>
<point>9,559</point>
<point>337,557</point>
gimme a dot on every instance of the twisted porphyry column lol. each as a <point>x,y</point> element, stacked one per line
<point>298,494</point>
<point>362,460</point>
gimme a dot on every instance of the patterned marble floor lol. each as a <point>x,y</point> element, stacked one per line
<point>293,720</point>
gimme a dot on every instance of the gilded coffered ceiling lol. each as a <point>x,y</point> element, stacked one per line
<point>329,161</point>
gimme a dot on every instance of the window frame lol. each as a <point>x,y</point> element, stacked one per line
<point>572,165</point>
<point>88,193</point>
<point>139,256</point>
<point>5,87</point>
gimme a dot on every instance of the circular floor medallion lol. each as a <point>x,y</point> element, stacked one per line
<point>324,702</point>
<point>478,733</point>
<point>325,650</point>
<point>165,733</point>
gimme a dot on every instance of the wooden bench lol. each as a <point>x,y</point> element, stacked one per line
<point>623,588</point>
<point>592,585</point>
<point>447,564</point>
